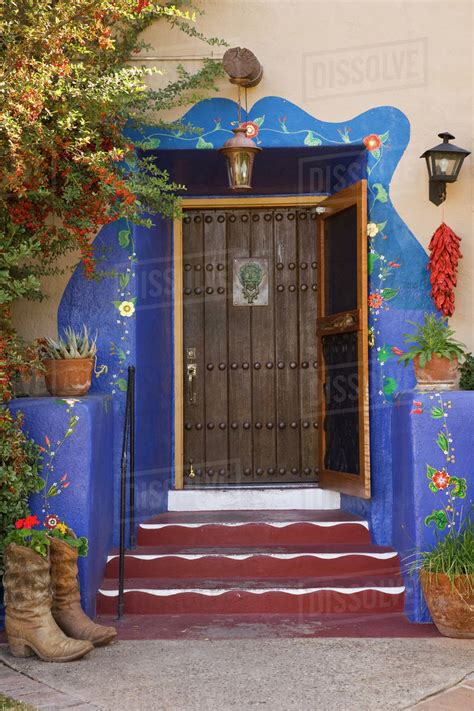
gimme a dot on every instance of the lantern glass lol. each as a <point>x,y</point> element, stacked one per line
<point>239,152</point>
<point>444,166</point>
<point>239,169</point>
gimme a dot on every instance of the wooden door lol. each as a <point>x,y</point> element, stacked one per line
<point>343,342</point>
<point>250,366</point>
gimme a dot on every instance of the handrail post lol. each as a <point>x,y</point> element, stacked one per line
<point>128,429</point>
<point>132,457</point>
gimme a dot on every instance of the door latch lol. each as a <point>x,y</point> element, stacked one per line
<point>191,372</point>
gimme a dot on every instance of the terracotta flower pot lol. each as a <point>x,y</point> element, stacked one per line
<point>438,373</point>
<point>68,377</point>
<point>451,607</point>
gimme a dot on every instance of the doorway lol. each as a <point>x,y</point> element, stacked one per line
<point>268,344</point>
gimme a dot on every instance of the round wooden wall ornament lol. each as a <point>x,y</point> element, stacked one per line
<point>242,67</point>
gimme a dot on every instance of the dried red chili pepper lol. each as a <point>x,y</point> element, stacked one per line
<point>443,265</point>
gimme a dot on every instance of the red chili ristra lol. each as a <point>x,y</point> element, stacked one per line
<point>445,253</point>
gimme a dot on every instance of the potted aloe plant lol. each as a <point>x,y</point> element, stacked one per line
<point>434,352</point>
<point>70,362</point>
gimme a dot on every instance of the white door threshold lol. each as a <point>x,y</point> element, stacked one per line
<point>253,499</point>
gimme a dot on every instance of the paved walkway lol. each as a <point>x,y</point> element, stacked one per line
<point>277,674</point>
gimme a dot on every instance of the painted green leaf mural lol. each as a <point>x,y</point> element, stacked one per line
<point>437,413</point>
<point>388,293</point>
<point>375,153</point>
<point>380,192</point>
<point>460,487</point>
<point>442,442</point>
<point>122,384</point>
<point>373,258</point>
<point>259,120</point>
<point>430,471</point>
<point>381,225</point>
<point>384,353</point>
<point>201,143</point>
<point>124,279</point>
<point>311,139</point>
<point>124,238</point>
<point>150,144</point>
<point>384,136</point>
<point>439,519</point>
<point>389,386</point>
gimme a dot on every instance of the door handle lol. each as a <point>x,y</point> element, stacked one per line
<point>191,372</point>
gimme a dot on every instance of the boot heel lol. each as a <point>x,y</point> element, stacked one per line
<point>19,648</point>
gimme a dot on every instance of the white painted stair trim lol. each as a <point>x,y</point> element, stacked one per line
<point>210,592</point>
<point>273,524</point>
<point>253,499</point>
<point>241,556</point>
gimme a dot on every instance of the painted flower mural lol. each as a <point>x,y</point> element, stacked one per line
<point>441,481</point>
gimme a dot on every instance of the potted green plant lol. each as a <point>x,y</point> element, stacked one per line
<point>466,371</point>
<point>434,352</point>
<point>446,572</point>
<point>70,362</point>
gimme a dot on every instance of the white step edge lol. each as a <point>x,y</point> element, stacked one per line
<point>240,556</point>
<point>273,524</point>
<point>252,499</point>
<point>167,592</point>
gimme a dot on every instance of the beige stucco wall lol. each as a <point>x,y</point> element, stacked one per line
<point>414,55</point>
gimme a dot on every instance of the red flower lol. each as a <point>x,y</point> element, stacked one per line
<point>375,300</point>
<point>51,521</point>
<point>30,521</point>
<point>372,142</point>
<point>416,411</point>
<point>394,265</point>
<point>251,129</point>
<point>46,439</point>
<point>19,523</point>
<point>397,351</point>
<point>441,480</point>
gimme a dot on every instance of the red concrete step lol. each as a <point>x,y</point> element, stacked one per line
<point>251,562</point>
<point>253,528</point>
<point>300,595</point>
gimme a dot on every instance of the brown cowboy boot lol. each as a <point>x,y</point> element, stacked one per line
<point>30,626</point>
<point>66,609</point>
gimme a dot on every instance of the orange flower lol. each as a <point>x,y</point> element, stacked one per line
<point>372,142</point>
<point>375,300</point>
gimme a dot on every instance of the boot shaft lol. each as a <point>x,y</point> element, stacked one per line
<point>27,580</point>
<point>65,585</point>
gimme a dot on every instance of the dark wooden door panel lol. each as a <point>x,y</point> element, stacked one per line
<point>308,307</point>
<point>255,415</point>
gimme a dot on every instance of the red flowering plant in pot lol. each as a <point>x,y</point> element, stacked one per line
<point>435,353</point>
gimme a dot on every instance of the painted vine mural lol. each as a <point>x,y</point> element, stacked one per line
<point>380,268</point>
<point>396,261</point>
<point>449,488</point>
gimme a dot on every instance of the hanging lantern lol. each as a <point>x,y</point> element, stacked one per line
<point>444,162</point>
<point>239,152</point>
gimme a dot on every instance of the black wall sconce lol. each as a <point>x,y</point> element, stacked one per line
<point>444,162</point>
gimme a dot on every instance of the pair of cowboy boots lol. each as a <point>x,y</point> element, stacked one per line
<point>43,608</point>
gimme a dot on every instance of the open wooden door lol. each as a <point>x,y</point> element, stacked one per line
<point>343,342</point>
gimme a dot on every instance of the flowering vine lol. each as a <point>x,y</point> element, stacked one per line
<point>51,490</point>
<point>441,481</point>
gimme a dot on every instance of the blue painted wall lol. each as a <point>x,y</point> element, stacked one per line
<point>432,434</point>
<point>399,290</point>
<point>77,440</point>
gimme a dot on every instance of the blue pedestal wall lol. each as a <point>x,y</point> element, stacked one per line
<point>431,435</point>
<point>77,438</point>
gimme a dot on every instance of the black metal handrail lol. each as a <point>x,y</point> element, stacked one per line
<point>128,455</point>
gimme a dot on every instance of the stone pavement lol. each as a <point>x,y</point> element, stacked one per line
<point>277,674</point>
